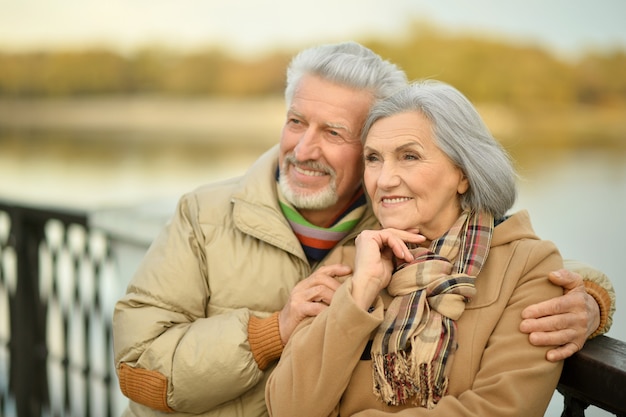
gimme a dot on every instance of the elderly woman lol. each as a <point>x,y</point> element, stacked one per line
<point>428,323</point>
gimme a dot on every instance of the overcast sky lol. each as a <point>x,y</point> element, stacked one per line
<point>566,26</point>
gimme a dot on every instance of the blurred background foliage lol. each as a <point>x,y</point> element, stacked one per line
<point>486,70</point>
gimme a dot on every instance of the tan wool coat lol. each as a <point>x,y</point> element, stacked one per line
<point>496,371</point>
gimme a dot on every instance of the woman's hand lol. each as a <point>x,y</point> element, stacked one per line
<point>376,251</point>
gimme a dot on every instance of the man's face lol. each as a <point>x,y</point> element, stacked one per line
<point>320,149</point>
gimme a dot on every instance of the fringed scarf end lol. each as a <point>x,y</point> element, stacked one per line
<point>395,380</point>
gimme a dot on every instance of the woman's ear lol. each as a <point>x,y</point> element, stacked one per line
<point>463,184</point>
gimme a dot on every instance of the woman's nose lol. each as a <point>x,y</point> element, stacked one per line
<point>388,176</point>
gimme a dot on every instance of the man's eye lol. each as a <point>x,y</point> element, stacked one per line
<point>336,137</point>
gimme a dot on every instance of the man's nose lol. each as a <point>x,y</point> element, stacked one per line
<point>309,145</point>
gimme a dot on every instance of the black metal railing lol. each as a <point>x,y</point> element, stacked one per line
<point>55,344</point>
<point>595,376</point>
<point>55,325</point>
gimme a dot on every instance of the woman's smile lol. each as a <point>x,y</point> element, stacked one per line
<point>394,200</point>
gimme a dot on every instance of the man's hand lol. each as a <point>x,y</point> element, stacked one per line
<point>566,321</point>
<point>310,297</point>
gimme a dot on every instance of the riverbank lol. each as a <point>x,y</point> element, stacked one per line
<point>147,118</point>
<point>259,120</point>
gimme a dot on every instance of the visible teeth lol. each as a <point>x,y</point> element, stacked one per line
<point>311,173</point>
<point>395,200</point>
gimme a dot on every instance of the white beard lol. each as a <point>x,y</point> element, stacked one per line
<point>319,200</point>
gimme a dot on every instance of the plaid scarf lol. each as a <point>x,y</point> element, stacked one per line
<point>318,241</point>
<point>415,345</point>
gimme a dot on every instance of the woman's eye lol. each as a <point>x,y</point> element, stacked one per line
<point>370,158</point>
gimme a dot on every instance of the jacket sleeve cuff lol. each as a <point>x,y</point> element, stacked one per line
<point>145,387</point>
<point>603,299</point>
<point>264,338</point>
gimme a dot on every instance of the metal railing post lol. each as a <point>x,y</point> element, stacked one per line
<point>28,341</point>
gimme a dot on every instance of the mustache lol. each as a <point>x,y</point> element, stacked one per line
<point>314,165</point>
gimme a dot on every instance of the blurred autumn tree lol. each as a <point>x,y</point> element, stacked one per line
<point>485,70</point>
<point>601,78</point>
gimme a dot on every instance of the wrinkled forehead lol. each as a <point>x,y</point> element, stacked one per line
<point>333,104</point>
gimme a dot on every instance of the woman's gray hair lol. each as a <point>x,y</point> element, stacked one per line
<point>461,134</point>
<point>349,64</point>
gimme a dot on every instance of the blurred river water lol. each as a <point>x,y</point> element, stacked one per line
<point>112,154</point>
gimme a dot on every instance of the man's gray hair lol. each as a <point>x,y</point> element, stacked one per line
<point>461,134</point>
<point>348,64</point>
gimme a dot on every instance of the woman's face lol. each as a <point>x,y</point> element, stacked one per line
<point>412,184</point>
